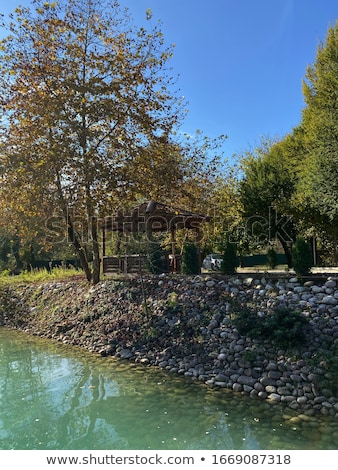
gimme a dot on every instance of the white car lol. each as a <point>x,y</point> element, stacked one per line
<point>212,262</point>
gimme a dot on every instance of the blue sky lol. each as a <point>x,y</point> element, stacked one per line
<point>240,62</point>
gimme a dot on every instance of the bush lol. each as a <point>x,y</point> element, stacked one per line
<point>272,258</point>
<point>301,257</point>
<point>154,258</point>
<point>190,262</point>
<point>286,327</point>
<point>230,259</point>
<point>283,326</point>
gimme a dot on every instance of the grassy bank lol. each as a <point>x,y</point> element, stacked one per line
<point>40,275</point>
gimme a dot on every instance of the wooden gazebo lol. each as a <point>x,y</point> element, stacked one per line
<point>148,218</point>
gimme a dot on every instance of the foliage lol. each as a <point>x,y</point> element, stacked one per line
<point>289,187</point>
<point>272,258</point>
<point>302,260</point>
<point>230,259</point>
<point>155,257</point>
<point>265,191</point>
<point>283,327</point>
<point>84,93</point>
<point>190,262</point>
<point>164,167</point>
<point>317,190</point>
<point>37,275</point>
<point>17,255</point>
<point>181,168</point>
<point>223,204</point>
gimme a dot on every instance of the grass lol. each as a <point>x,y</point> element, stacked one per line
<point>40,275</point>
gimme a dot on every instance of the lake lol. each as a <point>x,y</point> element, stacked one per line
<point>54,396</point>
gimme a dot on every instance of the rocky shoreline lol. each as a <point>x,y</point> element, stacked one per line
<point>185,324</point>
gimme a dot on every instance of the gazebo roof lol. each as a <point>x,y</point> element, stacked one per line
<point>153,216</point>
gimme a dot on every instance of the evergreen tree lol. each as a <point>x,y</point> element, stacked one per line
<point>190,263</point>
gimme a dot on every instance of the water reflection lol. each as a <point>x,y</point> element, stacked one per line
<point>58,397</point>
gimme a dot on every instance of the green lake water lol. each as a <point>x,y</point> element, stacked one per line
<point>54,396</point>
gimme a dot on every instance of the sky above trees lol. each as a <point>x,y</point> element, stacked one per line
<point>240,63</point>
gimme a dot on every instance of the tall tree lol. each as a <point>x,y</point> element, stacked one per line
<point>318,188</point>
<point>83,92</point>
<point>266,191</point>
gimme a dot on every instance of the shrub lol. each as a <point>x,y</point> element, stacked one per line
<point>154,258</point>
<point>286,327</point>
<point>272,258</point>
<point>283,326</point>
<point>246,319</point>
<point>230,259</point>
<point>301,257</point>
<point>190,263</point>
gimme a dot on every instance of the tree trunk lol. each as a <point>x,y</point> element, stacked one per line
<point>96,251</point>
<point>287,251</point>
<point>16,253</point>
<point>72,235</point>
<point>79,250</point>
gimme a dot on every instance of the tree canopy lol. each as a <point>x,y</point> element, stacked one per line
<point>298,175</point>
<point>83,94</point>
<point>90,118</point>
<point>318,189</point>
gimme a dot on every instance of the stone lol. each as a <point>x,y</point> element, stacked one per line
<point>253,393</point>
<point>237,387</point>
<point>288,398</point>
<point>317,289</point>
<point>326,404</point>
<point>220,384</point>
<point>221,378</point>
<point>265,381</point>
<point>125,354</point>
<point>295,378</point>
<point>259,387</point>
<point>274,397</point>
<point>330,299</point>
<point>330,283</point>
<point>294,405</point>
<point>299,289</point>
<point>210,284</point>
<point>163,364</point>
<point>245,380</point>
<point>274,374</point>
<point>302,400</point>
